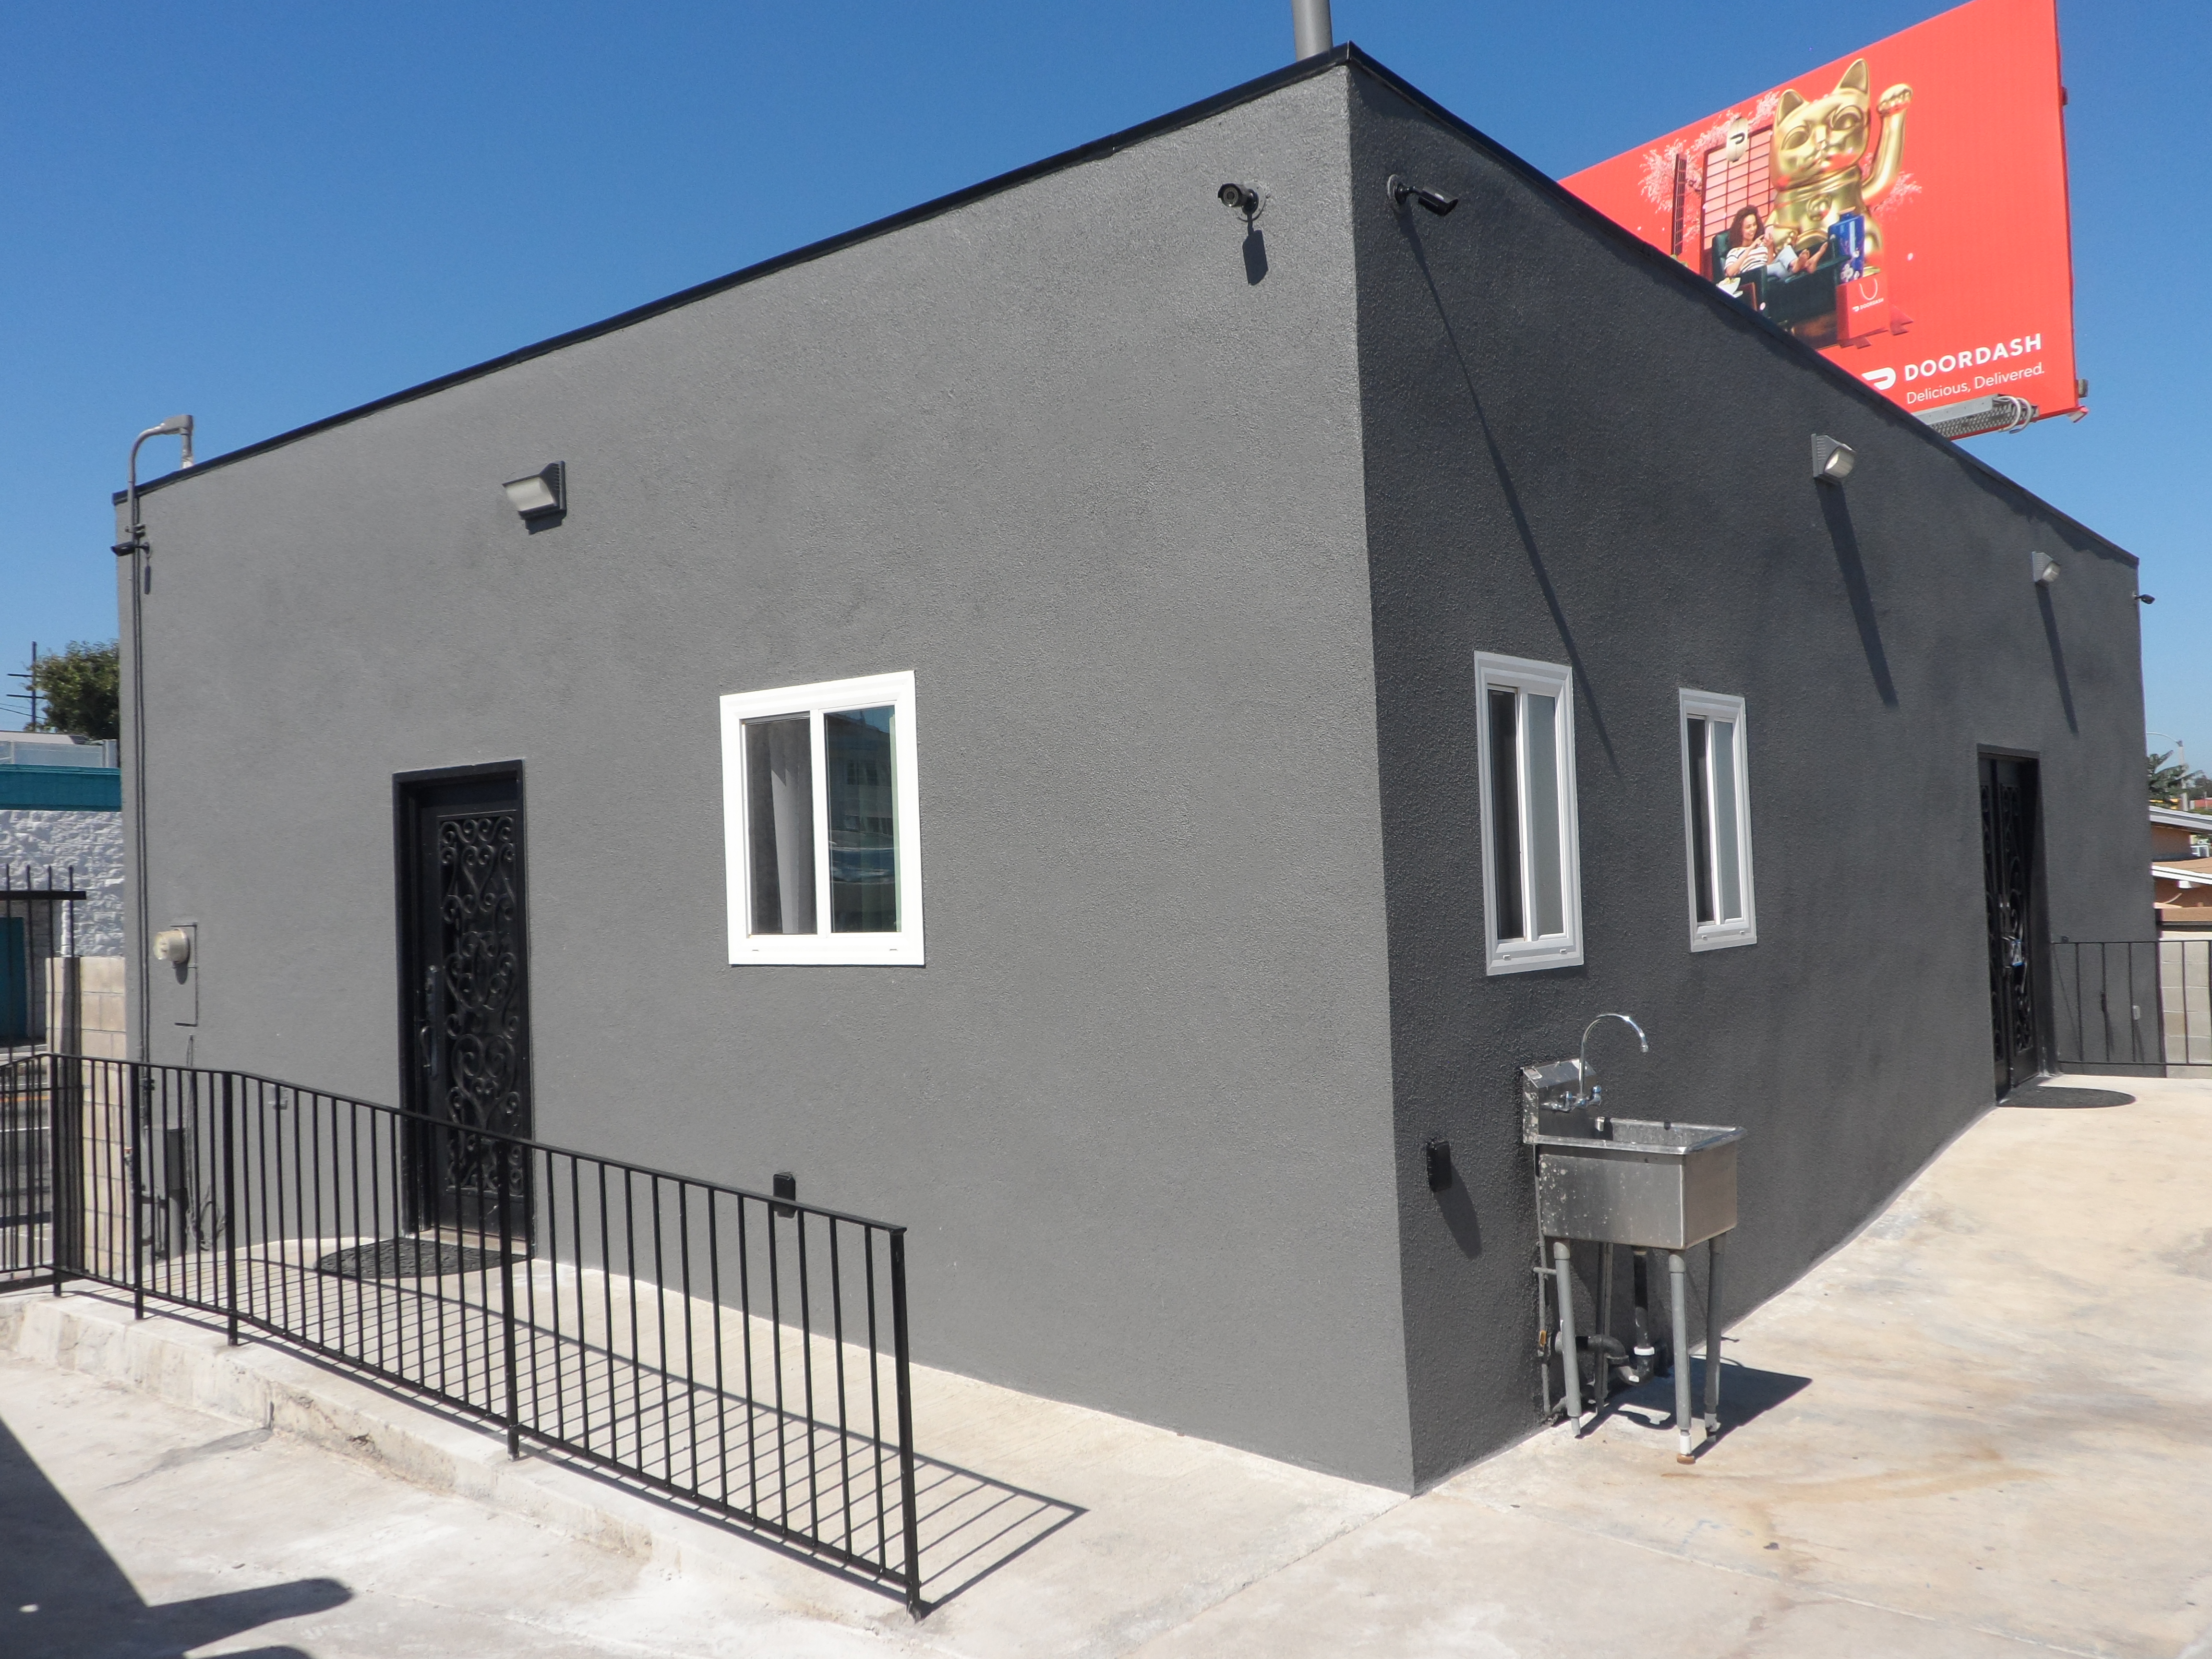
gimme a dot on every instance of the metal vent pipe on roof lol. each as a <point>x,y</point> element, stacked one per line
<point>1309,23</point>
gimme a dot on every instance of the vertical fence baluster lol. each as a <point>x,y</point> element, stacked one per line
<point>806,1377</point>
<point>133,1171</point>
<point>629,1278</point>
<point>506,1301</point>
<point>607,1310</point>
<point>745,1333</point>
<point>721,1394</point>
<point>837,1335</point>
<point>875,1398</point>
<point>229,1211</point>
<point>661,1337</point>
<point>776,1336</point>
<point>904,1383</point>
<point>691,1352</point>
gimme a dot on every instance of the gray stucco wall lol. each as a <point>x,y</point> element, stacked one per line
<point>1056,452</point>
<point>1575,454</point>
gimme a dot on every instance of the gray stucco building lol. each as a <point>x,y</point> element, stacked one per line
<point>1216,581</point>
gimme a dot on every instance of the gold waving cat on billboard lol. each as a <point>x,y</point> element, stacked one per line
<point>1818,146</point>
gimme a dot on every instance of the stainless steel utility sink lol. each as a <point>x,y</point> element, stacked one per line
<point>1625,1180</point>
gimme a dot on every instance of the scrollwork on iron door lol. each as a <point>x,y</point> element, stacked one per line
<point>2000,923</point>
<point>481,1022</point>
<point>2013,832</point>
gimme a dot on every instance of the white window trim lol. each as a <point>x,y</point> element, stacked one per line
<point>901,948</point>
<point>1553,950</point>
<point>1719,935</point>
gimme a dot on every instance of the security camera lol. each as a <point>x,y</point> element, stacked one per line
<point>1241,198</point>
<point>1436,201</point>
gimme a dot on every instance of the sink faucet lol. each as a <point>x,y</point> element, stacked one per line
<point>1592,1093</point>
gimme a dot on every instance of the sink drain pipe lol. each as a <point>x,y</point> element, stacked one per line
<point>1571,1353</point>
<point>1647,1357</point>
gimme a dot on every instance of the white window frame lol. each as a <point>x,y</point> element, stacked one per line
<point>1563,950</point>
<point>901,948</point>
<point>1744,930</point>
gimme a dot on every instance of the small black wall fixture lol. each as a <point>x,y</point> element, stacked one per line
<point>1435,200</point>
<point>1832,459</point>
<point>1438,1153</point>
<point>786,1186</point>
<point>540,496</point>
<point>1246,199</point>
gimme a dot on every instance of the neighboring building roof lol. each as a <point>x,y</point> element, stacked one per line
<point>2199,822</point>
<point>61,788</point>
<point>2188,871</point>
<point>55,749</point>
<point>1627,242</point>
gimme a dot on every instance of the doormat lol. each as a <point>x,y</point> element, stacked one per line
<point>409,1258</point>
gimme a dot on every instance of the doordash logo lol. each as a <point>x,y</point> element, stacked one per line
<point>1880,379</point>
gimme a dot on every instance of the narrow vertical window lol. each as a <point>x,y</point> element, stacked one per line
<point>821,825</point>
<point>1701,822</point>
<point>1505,827</point>
<point>1533,917</point>
<point>1716,821</point>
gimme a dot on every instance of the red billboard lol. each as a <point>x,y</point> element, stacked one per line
<point>1902,209</point>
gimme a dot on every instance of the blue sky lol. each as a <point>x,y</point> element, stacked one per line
<point>262,215</point>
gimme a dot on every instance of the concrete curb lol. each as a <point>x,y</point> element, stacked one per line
<point>186,1361</point>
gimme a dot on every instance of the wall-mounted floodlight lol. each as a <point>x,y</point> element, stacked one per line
<point>1832,460</point>
<point>2043,567</point>
<point>542,493</point>
<point>1435,200</point>
<point>1241,198</point>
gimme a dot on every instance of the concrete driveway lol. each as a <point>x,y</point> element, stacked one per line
<point>1982,1428</point>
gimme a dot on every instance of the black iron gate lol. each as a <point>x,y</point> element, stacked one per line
<point>2009,859</point>
<point>465,992</point>
<point>745,1352</point>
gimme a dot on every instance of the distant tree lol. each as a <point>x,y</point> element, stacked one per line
<point>2172,783</point>
<point>78,690</point>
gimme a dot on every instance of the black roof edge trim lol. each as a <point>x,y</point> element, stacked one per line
<point>1689,279</point>
<point>1097,149</point>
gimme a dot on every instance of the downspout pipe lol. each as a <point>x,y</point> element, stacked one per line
<point>1310,26</point>
<point>133,547</point>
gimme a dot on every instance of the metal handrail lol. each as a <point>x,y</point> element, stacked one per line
<point>647,1321</point>
<point>2117,1002</point>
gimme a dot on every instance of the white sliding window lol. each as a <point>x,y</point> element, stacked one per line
<point>1532,901</point>
<point>821,826</point>
<point>1716,821</point>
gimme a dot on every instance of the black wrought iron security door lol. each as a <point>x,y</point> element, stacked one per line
<point>465,996</point>
<point>2008,859</point>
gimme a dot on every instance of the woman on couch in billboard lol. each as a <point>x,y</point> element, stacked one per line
<point>1756,251</point>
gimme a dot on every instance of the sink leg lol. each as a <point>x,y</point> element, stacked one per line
<point>1601,1357</point>
<point>1713,1336</point>
<point>1678,1282</point>
<point>1570,1354</point>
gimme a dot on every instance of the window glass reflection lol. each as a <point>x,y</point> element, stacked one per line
<point>856,748</point>
<point>780,811</point>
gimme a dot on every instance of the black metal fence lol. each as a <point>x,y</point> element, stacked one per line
<point>37,924</point>
<point>2131,1006</point>
<point>746,1352</point>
